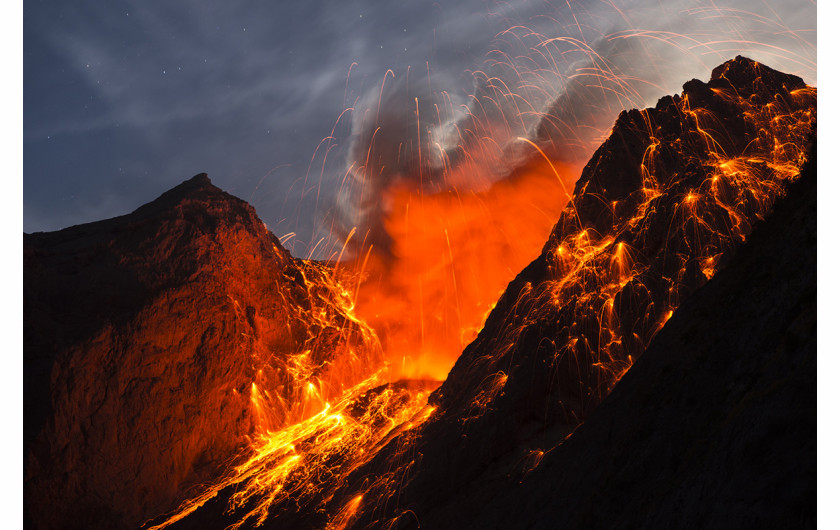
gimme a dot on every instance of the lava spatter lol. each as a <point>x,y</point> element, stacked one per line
<point>659,208</point>
<point>313,428</point>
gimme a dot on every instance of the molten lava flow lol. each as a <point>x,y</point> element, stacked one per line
<point>320,412</point>
<point>456,254</point>
<point>657,209</point>
<point>337,352</point>
<point>304,463</point>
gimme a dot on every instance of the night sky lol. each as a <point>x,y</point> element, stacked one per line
<point>124,100</point>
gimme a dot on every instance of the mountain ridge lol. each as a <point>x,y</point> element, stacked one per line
<point>159,344</point>
<point>138,325</point>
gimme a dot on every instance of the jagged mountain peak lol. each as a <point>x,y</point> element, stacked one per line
<point>197,199</point>
<point>159,344</point>
<point>197,188</point>
<point>750,77</point>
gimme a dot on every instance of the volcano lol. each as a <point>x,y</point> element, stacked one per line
<point>654,366</point>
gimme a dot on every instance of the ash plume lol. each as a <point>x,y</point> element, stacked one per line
<point>555,80</point>
<point>412,132</point>
<point>391,145</point>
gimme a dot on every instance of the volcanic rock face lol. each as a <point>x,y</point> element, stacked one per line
<point>156,344</point>
<point>159,343</point>
<point>655,212</point>
<point>659,208</point>
<point>715,426</point>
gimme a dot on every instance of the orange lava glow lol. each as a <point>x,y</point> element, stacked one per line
<point>455,245</point>
<point>304,462</point>
<point>455,253</point>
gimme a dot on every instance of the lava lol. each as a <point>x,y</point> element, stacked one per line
<point>631,244</point>
<point>660,207</point>
<point>338,352</point>
<point>479,304</point>
<point>454,253</point>
<point>445,198</point>
<point>303,464</point>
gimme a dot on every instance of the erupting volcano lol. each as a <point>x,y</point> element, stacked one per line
<point>183,370</point>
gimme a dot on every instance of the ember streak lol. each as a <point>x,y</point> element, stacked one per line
<point>637,238</point>
<point>476,300</point>
<point>304,463</point>
<point>444,198</point>
<point>658,210</point>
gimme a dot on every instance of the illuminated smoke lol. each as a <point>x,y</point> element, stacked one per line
<point>393,143</point>
<point>445,195</point>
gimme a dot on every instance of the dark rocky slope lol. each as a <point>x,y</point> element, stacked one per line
<point>660,207</point>
<point>714,427</point>
<point>158,344</point>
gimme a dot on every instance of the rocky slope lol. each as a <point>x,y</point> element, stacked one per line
<point>158,344</point>
<point>714,427</point>
<point>660,207</point>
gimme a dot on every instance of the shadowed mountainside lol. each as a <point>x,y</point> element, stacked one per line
<point>714,427</point>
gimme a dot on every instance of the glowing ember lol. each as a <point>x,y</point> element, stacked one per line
<point>302,464</point>
<point>626,250</point>
<point>444,200</point>
<point>659,206</point>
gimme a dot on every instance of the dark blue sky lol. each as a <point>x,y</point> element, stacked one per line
<point>123,100</point>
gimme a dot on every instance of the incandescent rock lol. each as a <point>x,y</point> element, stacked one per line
<point>158,344</point>
<point>715,426</point>
<point>660,207</point>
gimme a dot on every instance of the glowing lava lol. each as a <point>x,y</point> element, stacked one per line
<point>454,254</point>
<point>304,463</point>
<point>667,197</point>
